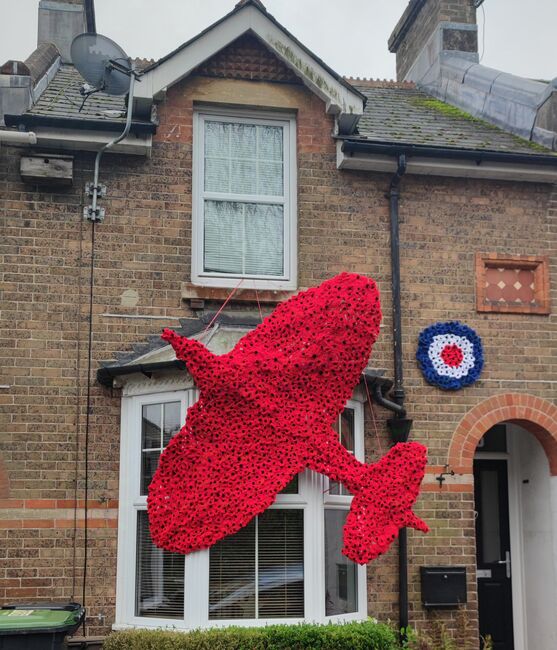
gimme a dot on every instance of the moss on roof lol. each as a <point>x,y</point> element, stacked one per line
<point>452,111</point>
<point>394,114</point>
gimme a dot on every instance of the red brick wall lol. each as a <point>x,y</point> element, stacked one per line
<point>144,245</point>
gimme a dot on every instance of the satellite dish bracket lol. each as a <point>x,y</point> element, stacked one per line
<point>92,212</point>
<point>105,66</point>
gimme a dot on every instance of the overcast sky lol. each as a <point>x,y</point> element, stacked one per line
<point>351,36</point>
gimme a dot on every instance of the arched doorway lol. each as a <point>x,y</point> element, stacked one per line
<point>509,443</point>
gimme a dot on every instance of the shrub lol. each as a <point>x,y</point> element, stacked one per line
<point>367,635</point>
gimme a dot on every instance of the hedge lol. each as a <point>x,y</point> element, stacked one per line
<point>367,635</point>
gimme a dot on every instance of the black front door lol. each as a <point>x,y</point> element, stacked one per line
<point>493,552</point>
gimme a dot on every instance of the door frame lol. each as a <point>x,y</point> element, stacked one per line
<point>516,540</point>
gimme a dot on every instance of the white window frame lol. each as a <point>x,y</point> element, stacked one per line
<point>288,280</point>
<point>311,498</point>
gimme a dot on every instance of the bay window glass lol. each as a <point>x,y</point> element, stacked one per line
<point>259,571</point>
<point>244,221</point>
<point>341,574</point>
<point>160,577</point>
<point>159,422</point>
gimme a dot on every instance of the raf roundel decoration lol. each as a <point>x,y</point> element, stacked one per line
<point>450,355</point>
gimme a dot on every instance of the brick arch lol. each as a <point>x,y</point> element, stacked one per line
<point>533,413</point>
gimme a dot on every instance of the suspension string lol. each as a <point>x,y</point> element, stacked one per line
<point>223,306</point>
<point>372,411</point>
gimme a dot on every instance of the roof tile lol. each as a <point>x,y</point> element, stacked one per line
<point>396,113</point>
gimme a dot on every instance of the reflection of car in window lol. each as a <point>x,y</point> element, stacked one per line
<point>275,578</point>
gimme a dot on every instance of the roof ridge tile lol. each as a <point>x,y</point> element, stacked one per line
<point>379,83</point>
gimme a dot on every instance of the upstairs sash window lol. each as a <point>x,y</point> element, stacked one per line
<point>244,211</point>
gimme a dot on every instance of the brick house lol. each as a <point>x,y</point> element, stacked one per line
<point>454,159</point>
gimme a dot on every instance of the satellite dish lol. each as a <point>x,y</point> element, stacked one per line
<point>107,67</point>
<point>102,63</point>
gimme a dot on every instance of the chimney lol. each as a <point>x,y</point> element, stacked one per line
<point>60,21</point>
<point>22,82</point>
<point>428,29</point>
<point>436,46</point>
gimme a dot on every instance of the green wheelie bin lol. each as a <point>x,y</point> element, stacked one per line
<point>38,626</point>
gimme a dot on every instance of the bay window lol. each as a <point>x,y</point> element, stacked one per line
<point>285,565</point>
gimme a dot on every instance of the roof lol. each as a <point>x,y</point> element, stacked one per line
<point>63,99</point>
<point>400,113</point>
<point>260,7</point>
<point>340,97</point>
<point>395,112</point>
<point>219,332</point>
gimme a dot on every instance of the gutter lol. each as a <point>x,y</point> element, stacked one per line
<point>29,119</point>
<point>106,375</point>
<point>17,137</point>
<point>478,155</point>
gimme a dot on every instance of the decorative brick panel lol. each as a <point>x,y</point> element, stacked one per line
<point>512,284</point>
<point>247,58</point>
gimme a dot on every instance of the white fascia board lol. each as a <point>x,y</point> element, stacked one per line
<point>73,140</point>
<point>456,168</point>
<point>338,98</point>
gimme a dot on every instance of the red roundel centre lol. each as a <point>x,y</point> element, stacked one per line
<point>452,355</point>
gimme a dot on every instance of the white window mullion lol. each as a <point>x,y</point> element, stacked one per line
<point>256,580</point>
<point>196,597</point>
<point>313,549</point>
<point>244,240</point>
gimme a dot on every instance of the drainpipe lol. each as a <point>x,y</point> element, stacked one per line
<point>399,426</point>
<point>393,196</point>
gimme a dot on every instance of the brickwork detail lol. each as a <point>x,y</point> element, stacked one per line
<point>512,283</point>
<point>533,413</point>
<point>247,58</point>
<point>4,481</point>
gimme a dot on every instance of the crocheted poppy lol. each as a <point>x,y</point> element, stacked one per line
<point>265,413</point>
<point>450,355</point>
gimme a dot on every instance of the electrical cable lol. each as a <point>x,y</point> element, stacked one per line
<point>77,412</point>
<point>87,416</point>
<point>374,421</point>
<point>483,34</point>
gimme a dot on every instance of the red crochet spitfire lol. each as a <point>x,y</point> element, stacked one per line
<point>265,413</point>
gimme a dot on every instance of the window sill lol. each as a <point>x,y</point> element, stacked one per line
<point>179,625</point>
<point>196,294</point>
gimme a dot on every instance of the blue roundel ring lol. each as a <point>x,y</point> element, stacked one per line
<point>450,355</point>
